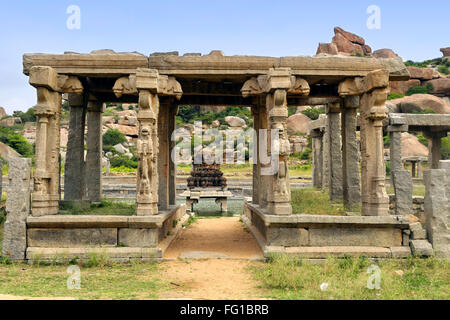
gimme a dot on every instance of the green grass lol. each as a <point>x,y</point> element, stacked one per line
<point>105,207</point>
<point>418,190</point>
<point>289,278</point>
<point>114,281</point>
<point>313,201</point>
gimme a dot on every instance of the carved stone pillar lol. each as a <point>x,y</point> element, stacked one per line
<point>350,154</point>
<point>48,113</point>
<point>335,153</point>
<point>373,90</point>
<point>263,152</point>
<point>74,170</point>
<point>275,86</point>
<point>148,144</point>
<point>279,195</point>
<point>94,151</point>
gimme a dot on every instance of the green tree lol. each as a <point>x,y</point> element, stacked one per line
<point>113,137</point>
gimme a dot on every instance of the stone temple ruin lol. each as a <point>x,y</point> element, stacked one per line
<point>159,84</point>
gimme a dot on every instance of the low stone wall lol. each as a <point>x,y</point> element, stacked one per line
<point>312,236</point>
<point>70,236</point>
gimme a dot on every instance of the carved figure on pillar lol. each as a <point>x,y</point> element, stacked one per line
<point>146,159</point>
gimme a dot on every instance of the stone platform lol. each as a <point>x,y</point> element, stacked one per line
<point>195,195</point>
<point>317,237</point>
<point>119,238</point>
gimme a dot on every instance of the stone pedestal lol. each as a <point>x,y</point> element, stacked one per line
<point>335,153</point>
<point>437,210</point>
<point>74,170</point>
<point>94,152</point>
<point>350,155</point>
<point>17,209</point>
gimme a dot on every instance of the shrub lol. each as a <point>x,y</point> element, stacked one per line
<point>446,148</point>
<point>418,90</point>
<point>393,96</point>
<point>314,113</point>
<point>28,116</point>
<point>16,141</point>
<point>422,140</point>
<point>306,155</point>
<point>113,137</point>
<point>122,161</point>
<point>443,69</point>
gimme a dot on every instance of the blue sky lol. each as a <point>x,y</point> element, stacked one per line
<point>415,30</point>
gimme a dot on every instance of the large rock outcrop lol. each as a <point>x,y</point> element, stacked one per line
<point>298,124</point>
<point>418,103</point>
<point>345,43</point>
<point>411,146</point>
<point>446,52</point>
<point>385,54</point>
<point>441,86</point>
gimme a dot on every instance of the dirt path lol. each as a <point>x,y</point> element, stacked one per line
<point>217,253</point>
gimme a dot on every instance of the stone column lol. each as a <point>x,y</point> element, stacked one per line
<point>279,189</point>
<point>94,151</point>
<point>445,165</point>
<point>48,114</point>
<point>17,209</point>
<point>350,154</point>
<point>317,154</point>
<point>172,166</point>
<point>256,176</point>
<point>435,147</point>
<point>148,144</point>
<point>373,167</point>
<point>437,210</point>
<point>1,179</point>
<point>74,184</point>
<point>263,129</point>
<point>326,157</point>
<point>373,90</point>
<point>335,153</point>
<point>164,153</point>
<point>395,137</point>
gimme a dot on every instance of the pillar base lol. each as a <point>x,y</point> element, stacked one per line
<point>375,209</point>
<point>45,205</point>
<point>279,209</point>
<point>147,209</point>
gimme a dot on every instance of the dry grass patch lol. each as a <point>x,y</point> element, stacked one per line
<point>315,202</point>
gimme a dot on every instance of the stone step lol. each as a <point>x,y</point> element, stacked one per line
<point>111,254</point>
<point>339,252</point>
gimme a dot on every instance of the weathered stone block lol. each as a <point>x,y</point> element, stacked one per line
<point>403,187</point>
<point>437,209</point>
<point>142,238</point>
<point>287,237</point>
<point>17,208</point>
<point>421,248</point>
<point>15,240</point>
<point>377,237</point>
<point>400,252</point>
<point>71,238</point>
<point>417,231</point>
<point>44,77</point>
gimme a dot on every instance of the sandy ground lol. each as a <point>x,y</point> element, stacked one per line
<point>226,277</point>
<point>221,237</point>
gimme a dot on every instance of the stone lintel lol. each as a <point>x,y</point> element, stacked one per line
<point>44,77</point>
<point>398,128</point>
<point>422,120</point>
